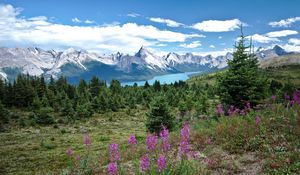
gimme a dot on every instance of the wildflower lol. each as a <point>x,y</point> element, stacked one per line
<point>69,152</point>
<point>247,107</point>
<point>242,112</point>
<point>112,168</point>
<point>114,152</point>
<point>161,163</point>
<point>87,140</point>
<point>145,163</point>
<point>220,110</point>
<point>296,97</point>
<point>273,97</point>
<point>151,142</point>
<point>232,111</point>
<point>78,157</point>
<point>164,136</point>
<point>286,97</point>
<point>257,120</point>
<point>184,139</point>
<point>132,140</point>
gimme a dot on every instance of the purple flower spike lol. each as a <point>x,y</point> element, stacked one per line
<point>114,152</point>
<point>164,136</point>
<point>112,168</point>
<point>145,163</point>
<point>69,152</point>
<point>151,142</point>
<point>87,140</point>
<point>161,163</point>
<point>132,140</point>
<point>257,120</point>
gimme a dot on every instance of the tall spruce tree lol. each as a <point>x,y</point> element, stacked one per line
<point>243,81</point>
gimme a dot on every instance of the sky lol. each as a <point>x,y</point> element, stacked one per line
<point>108,26</point>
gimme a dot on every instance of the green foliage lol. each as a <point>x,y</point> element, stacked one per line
<point>4,116</point>
<point>159,115</point>
<point>44,117</point>
<point>243,81</point>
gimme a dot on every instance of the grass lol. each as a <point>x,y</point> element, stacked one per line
<point>41,150</point>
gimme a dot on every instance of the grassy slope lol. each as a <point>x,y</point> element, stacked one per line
<point>42,150</point>
<point>282,74</point>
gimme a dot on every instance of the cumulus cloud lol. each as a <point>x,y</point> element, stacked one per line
<point>212,46</point>
<point>262,38</point>
<point>295,41</point>
<point>291,47</point>
<point>284,22</point>
<point>19,31</point>
<point>281,33</point>
<point>168,22</point>
<point>218,25</point>
<point>192,45</point>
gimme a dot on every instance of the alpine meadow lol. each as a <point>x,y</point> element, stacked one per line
<point>162,87</point>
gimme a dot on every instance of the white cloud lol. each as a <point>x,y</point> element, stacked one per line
<point>212,46</point>
<point>76,20</point>
<point>89,21</point>
<point>291,47</point>
<point>262,39</point>
<point>168,22</point>
<point>161,45</point>
<point>192,45</point>
<point>220,37</point>
<point>133,15</point>
<point>281,33</point>
<point>19,31</point>
<point>284,22</point>
<point>295,41</point>
<point>218,25</point>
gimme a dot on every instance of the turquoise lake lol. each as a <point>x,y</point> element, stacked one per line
<point>164,79</point>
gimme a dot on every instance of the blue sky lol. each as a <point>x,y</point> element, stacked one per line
<point>200,27</point>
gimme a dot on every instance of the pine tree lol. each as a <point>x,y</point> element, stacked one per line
<point>242,82</point>
<point>159,115</point>
<point>156,86</point>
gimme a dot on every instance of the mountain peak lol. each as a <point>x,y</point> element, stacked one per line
<point>279,50</point>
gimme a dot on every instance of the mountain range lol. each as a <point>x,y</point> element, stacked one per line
<point>78,64</point>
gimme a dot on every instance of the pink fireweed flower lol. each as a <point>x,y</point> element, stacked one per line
<point>286,96</point>
<point>144,163</point>
<point>164,136</point>
<point>114,152</point>
<point>132,140</point>
<point>161,163</point>
<point>296,97</point>
<point>112,168</point>
<point>69,152</point>
<point>247,107</point>
<point>78,157</point>
<point>151,142</point>
<point>220,110</point>
<point>273,97</point>
<point>87,140</point>
<point>232,111</point>
<point>184,146</point>
<point>257,120</point>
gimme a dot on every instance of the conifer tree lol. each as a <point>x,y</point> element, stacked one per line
<point>159,115</point>
<point>243,81</point>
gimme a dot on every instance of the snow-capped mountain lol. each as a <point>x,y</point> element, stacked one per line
<point>76,64</point>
